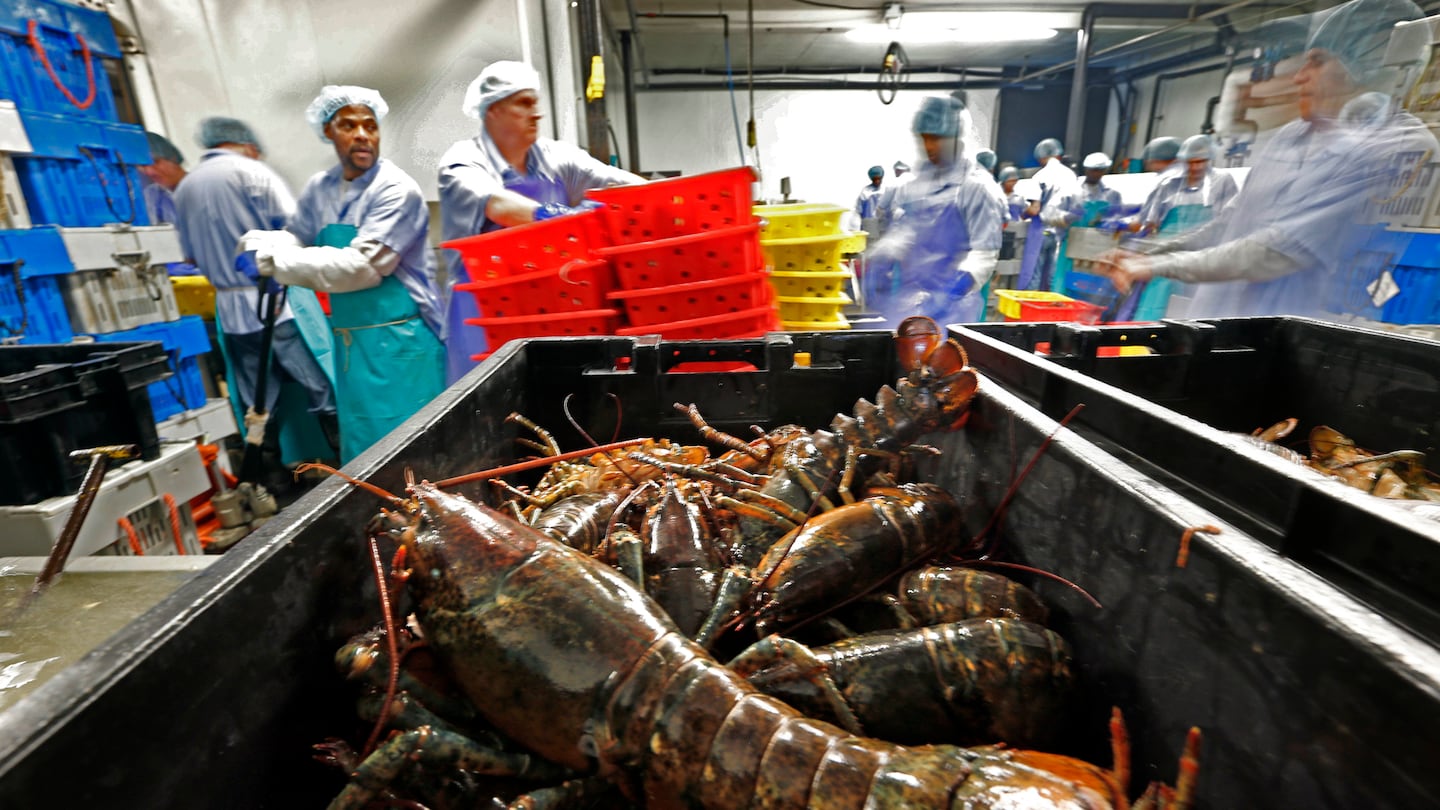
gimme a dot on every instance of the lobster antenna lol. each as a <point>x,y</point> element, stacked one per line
<point>365,485</point>
<point>1015,487</point>
<point>393,680</point>
<point>575,423</point>
<point>1040,572</point>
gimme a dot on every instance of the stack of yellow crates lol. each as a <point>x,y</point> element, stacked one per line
<point>805,249</point>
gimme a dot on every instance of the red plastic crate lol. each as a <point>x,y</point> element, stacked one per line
<point>749,323</point>
<point>1078,311</point>
<point>675,207</point>
<point>524,249</point>
<point>724,253</point>
<point>576,286</point>
<point>590,322</point>
<point>697,299</point>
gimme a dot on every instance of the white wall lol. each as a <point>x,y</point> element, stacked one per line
<point>264,60</point>
<point>823,140</point>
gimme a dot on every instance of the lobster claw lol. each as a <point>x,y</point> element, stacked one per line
<point>914,339</point>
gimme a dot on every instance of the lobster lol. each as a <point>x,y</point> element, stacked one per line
<point>565,656</point>
<point>967,682</point>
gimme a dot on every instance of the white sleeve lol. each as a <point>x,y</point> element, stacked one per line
<point>361,266</point>
<point>1243,259</point>
<point>980,264</point>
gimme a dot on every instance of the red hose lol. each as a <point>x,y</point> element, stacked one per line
<point>175,524</point>
<point>35,44</point>
<point>129,530</point>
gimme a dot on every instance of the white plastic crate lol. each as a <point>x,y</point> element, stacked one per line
<point>118,298</point>
<point>207,424</point>
<point>126,492</point>
<point>154,531</point>
<point>1089,244</point>
<point>13,141</point>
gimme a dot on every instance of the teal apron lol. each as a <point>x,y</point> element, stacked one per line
<point>388,362</point>
<point>1155,296</point>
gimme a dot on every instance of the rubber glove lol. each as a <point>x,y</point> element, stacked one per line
<point>552,210</point>
<point>254,269</point>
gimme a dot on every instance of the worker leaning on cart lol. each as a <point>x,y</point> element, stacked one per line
<point>360,233</point>
<point>506,175</point>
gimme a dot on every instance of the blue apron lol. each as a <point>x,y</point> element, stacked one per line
<point>388,362</point>
<point>462,341</point>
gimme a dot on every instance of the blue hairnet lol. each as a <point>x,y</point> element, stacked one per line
<point>1161,148</point>
<point>498,81</point>
<point>219,129</point>
<point>938,115</point>
<point>1048,148</point>
<point>876,171</point>
<point>334,97</point>
<point>1197,147</point>
<point>1009,173</point>
<point>1358,34</point>
<point>986,158</point>
<point>1096,160</point>
<point>162,149</point>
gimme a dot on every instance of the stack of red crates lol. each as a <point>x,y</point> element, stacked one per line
<point>686,256</point>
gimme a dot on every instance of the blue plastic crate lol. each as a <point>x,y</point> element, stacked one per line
<point>83,173</point>
<point>184,340</point>
<point>64,33</point>
<point>41,251</point>
<point>1419,298</point>
<point>35,311</point>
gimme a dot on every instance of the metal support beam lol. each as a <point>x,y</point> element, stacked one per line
<point>592,45</point>
<point>632,129</point>
<point>1075,121</point>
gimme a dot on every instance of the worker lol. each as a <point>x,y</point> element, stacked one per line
<point>1190,196</point>
<point>867,204</point>
<point>1015,204</point>
<point>1160,154</point>
<point>944,242</point>
<point>1056,183</point>
<point>361,233</point>
<point>229,193</point>
<point>986,159</point>
<point>1287,242</point>
<point>166,170</point>
<point>506,175</point>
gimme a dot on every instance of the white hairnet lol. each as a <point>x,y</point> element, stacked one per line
<point>1197,147</point>
<point>334,97</point>
<point>498,81</point>
<point>1096,160</point>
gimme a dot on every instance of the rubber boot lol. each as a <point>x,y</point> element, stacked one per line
<point>330,426</point>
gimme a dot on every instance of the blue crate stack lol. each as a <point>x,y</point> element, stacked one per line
<point>82,172</point>
<point>1417,273</point>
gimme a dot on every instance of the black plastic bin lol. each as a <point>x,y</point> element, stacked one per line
<point>1176,414</point>
<point>55,398</point>
<point>214,698</point>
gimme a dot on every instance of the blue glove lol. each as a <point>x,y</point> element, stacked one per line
<point>963,284</point>
<point>246,264</point>
<point>552,210</point>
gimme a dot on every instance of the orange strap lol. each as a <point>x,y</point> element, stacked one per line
<point>175,524</point>
<point>35,44</point>
<point>134,538</point>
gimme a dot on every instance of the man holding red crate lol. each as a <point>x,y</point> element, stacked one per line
<point>506,175</point>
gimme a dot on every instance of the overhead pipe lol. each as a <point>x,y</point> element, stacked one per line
<point>858,84</point>
<point>830,71</point>
<point>632,133</point>
<point>1075,120</point>
<point>597,132</point>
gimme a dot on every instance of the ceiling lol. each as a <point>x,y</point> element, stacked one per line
<point>803,41</point>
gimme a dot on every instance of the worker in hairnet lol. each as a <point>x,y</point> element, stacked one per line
<point>986,158</point>
<point>1188,197</point>
<point>361,233</point>
<point>867,204</point>
<point>166,170</point>
<point>506,175</point>
<point>1015,203</point>
<point>1160,153</point>
<point>229,193</point>
<point>944,242</point>
<point>1056,182</point>
<point>1287,242</point>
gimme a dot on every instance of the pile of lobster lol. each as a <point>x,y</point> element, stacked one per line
<point>562,647</point>
<point>1397,475</point>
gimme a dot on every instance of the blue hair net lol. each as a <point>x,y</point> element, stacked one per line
<point>876,171</point>
<point>1358,34</point>
<point>1197,147</point>
<point>938,115</point>
<point>1009,173</point>
<point>162,149</point>
<point>498,81</point>
<point>335,97</point>
<point>1161,148</point>
<point>219,129</point>
<point>1048,148</point>
<point>986,158</point>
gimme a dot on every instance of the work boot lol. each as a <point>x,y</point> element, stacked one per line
<point>330,426</point>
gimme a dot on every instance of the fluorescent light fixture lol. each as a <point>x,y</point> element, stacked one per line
<point>966,26</point>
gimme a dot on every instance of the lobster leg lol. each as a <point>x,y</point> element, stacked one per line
<point>576,793</point>
<point>735,585</point>
<point>629,554</point>
<point>795,662</point>
<point>435,747</point>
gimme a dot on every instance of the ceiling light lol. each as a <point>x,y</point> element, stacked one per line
<point>965,26</point>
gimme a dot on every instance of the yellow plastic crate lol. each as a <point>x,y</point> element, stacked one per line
<point>811,254</point>
<point>1037,305</point>
<point>810,285</point>
<point>798,220</point>
<point>813,309</point>
<point>194,296</point>
<point>833,324</point>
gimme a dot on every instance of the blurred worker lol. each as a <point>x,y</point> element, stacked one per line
<point>505,175</point>
<point>1286,244</point>
<point>1016,204</point>
<point>887,194</point>
<point>360,232</point>
<point>1189,197</point>
<point>1160,153</point>
<point>166,170</point>
<point>944,242</point>
<point>1056,183</point>
<point>986,159</point>
<point>229,193</point>
<point>867,205</point>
